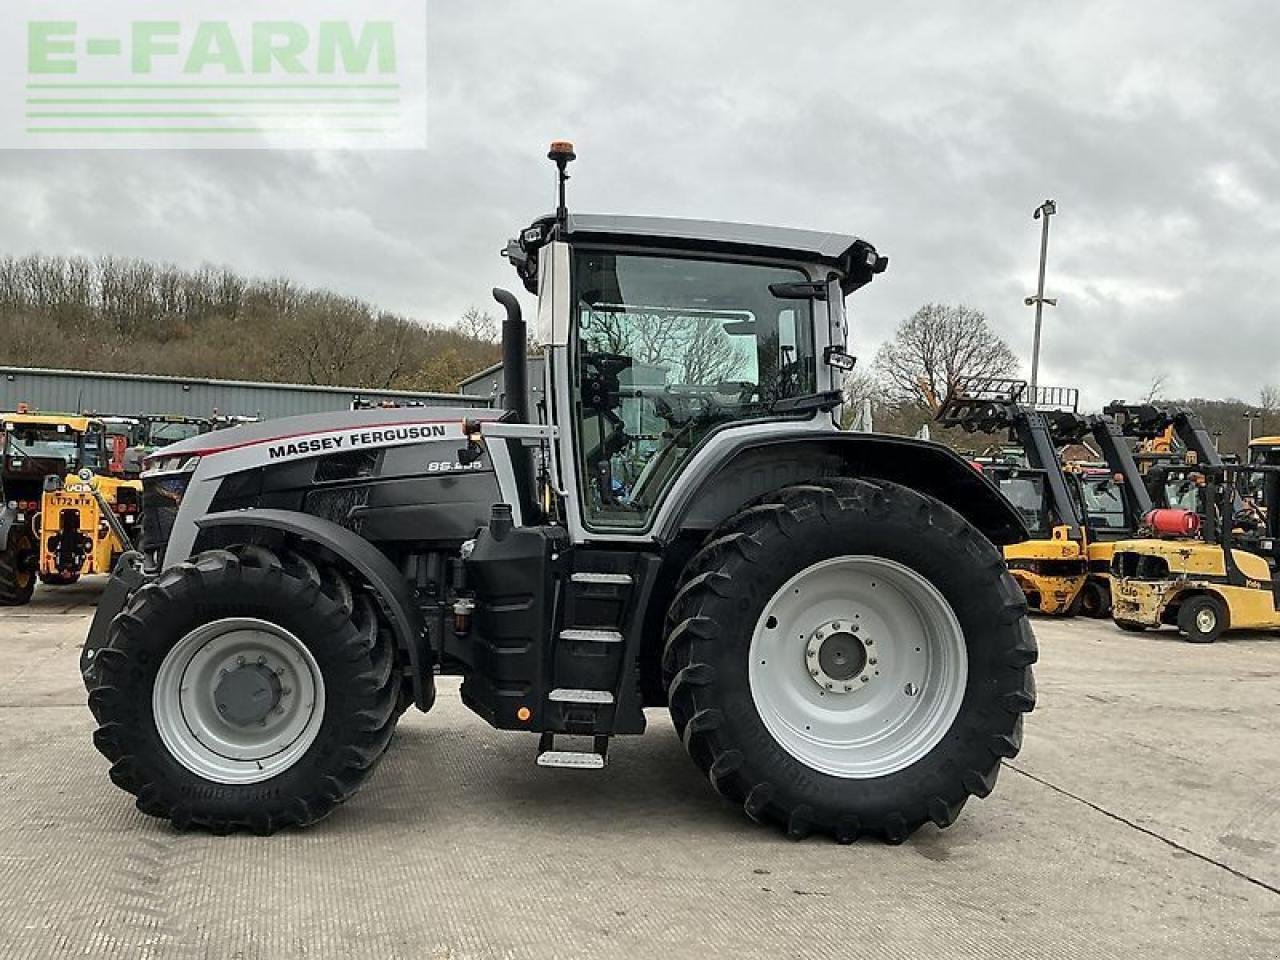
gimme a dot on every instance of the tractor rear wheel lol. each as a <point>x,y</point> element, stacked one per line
<point>17,581</point>
<point>850,658</point>
<point>245,690</point>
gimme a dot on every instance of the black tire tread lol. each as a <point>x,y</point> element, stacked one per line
<point>749,534</point>
<point>299,579</point>
<point>11,593</point>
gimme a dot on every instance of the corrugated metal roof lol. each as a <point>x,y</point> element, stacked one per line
<point>77,391</point>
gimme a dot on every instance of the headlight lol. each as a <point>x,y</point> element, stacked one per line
<point>179,464</point>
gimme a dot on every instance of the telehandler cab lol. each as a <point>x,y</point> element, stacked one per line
<point>826,614</point>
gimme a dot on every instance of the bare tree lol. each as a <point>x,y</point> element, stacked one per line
<point>1156,390</point>
<point>1269,399</point>
<point>693,349</point>
<point>479,326</point>
<point>936,347</point>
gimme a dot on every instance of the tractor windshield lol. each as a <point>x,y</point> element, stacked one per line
<point>43,442</point>
<point>668,349</point>
<point>164,434</point>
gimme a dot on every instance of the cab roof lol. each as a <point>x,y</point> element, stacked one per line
<point>78,424</point>
<point>831,248</point>
<point>1265,442</point>
<point>856,260</point>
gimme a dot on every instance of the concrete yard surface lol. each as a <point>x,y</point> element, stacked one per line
<point>1141,820</point>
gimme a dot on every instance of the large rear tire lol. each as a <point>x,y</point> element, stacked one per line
<point>17,582</point>
<point>245,691</point>
<point>850,659</point>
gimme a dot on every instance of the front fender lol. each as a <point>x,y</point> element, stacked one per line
<point>757,465</point>
<point>371,563</point>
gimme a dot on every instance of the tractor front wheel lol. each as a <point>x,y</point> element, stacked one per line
<point>850,659</point>
<point>245,690</point>
<point>17,577</point>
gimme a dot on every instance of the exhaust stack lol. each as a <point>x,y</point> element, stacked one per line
<point>515,363</point>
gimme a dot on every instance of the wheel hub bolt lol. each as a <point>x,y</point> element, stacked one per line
<point>239,661</point>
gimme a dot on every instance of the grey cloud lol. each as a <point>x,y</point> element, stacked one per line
<point>931,129</point>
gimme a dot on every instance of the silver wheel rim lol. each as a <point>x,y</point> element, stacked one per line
<point>1206,620</point>
<point>849,714</point>
<point>212,687</point>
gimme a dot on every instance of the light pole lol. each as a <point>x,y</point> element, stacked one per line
<point>1043,213</point>
<point>1252,416</point>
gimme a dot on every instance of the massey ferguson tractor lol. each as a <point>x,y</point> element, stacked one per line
<point>826,614</point>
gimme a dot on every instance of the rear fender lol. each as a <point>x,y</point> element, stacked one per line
<point>757,466</point>
<point>390,587</point>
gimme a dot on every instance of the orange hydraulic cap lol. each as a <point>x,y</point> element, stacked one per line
<point>523,714</point>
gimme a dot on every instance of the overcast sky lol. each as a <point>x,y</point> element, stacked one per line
<point>931,129</point>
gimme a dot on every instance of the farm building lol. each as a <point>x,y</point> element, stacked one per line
<point>125,394</point>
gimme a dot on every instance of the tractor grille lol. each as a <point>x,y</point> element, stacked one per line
<point>338,505</point>
<point>161,497</point>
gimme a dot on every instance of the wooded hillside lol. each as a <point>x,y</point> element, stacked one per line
<point>132,316</point>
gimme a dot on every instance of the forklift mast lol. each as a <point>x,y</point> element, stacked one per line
<point>1070,427</point>
<point>1146,421</point>
<point>989,405</point>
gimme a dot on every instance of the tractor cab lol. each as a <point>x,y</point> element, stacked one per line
<point>661,335</point>
<point>39,444</point>
<point>164,431</point>
<point>34,446</point>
